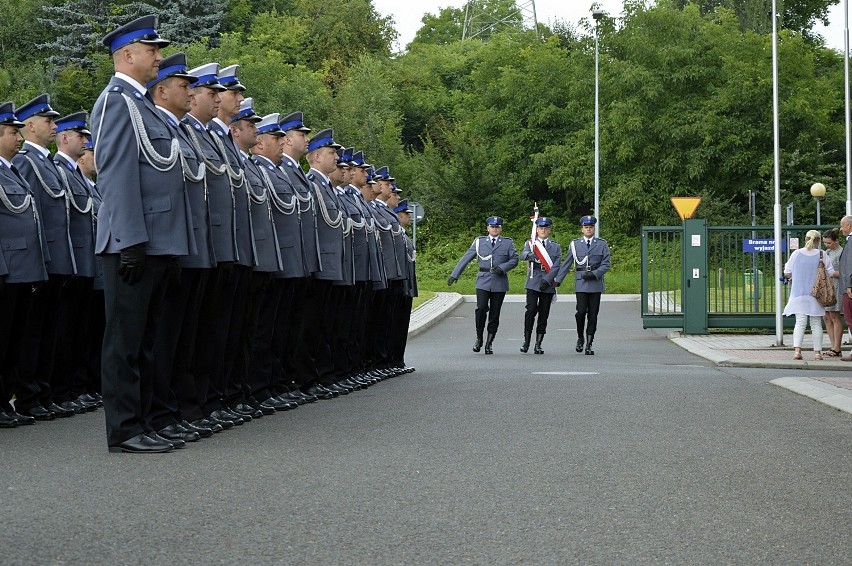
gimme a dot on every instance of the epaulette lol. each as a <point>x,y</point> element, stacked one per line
<point>23,151</point>
<point>116,89</point>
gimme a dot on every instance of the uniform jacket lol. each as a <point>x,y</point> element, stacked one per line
<point>81,212</point>
<point>196,192</point>
<point>243,235</point>
<point>307,212</point>
<point>410,287</point>
<point>288,220</point>
<point>98,283</point>
<point>535,273</point>
<point>392,246</point>
<point>220,200</point>
<point>267,252</point>
<point>141,205</point>
<point>22,246</point>
<point>49,191</point>
<point>594,258</point>
<point>360,236</point>
<point>374,245</point>
<point>330,237</point>
<point>503,254</point>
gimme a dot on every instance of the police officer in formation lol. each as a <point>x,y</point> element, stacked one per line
<point>495,256</point>
<point>590,258</point>
<point>216,253</point>
<point>544,255</point>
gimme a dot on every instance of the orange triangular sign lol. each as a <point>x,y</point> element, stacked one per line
<point>685,206</point>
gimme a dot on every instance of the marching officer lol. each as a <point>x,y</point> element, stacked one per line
<point>495,256</point>
<point>590,257</point>
<point>144,223</point>
<point>543,255</point>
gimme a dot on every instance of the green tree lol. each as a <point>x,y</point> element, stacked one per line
<point>446,27</point>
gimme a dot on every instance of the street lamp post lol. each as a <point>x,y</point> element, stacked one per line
<point>818,191</point>
<point>597,15</point>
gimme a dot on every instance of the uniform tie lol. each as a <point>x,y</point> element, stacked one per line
<point>588,244</point>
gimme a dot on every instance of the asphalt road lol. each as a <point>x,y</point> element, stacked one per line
<point>641,454</point>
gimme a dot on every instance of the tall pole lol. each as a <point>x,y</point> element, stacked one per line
<point>779,322</point>
<point>597,15</point>
<point>848,113</point>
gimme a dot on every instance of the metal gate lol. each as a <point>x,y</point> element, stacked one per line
<point>728,281</point>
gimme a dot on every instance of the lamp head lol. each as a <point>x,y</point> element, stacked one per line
<point>597,14</point>
<point>817,190</point>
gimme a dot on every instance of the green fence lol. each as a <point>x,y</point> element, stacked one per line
<point>740,284</point>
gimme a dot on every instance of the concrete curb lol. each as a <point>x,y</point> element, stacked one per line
<point>432,312</point>
<point>839,398</point>
<point>725,359</point>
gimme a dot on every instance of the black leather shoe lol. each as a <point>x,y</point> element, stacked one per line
<point>73,406</point>
<point>89,398</point>
<point>22,419</point>
<point>293,398</point>
<point>320,392</point>
<point>409,369</point>
<point>297,394</point>
<point>348,382</point>
<point>265,408</point>
<point>244,409</point>
<point>89,403</point>
<point>142,444</point>
<point>7,421</point>
<point>39,413</point>
<point>579,347</point>
<point>334,387</point>
<point>203,432</point>
<point>60,412</point>
<point>175,442</point>
<point>223,416</point>
<point>177,432</point>
<point>278,404</point>
<point>210,424</point>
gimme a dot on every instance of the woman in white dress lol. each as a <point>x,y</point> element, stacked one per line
<point>801,268</point>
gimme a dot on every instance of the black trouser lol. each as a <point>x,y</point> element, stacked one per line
<point>234,368</point>
<point>312,355</point>
<point>35,363</point>
<point>127,370</point>
<point>588,305</point>
<point>488,306</point>
<point>357,327</point>
<point>292,316</point>
<point>375,348</point>
<point>538,303</point>
<point>399,338</point>
<point>211,338</point>
<point>88,339</point>
<point>261,284</point>
<point>175,394</point>
<point>72,326</point>
<point>261,375</point>
<point>343,327</point>
<point>15,299</point>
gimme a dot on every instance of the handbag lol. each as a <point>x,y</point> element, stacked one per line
<point>823,289</point>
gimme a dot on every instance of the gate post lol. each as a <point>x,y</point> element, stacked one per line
<point>694,276</point>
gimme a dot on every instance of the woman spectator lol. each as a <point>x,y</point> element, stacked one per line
<point>801,268</point>
<point>833,314</point>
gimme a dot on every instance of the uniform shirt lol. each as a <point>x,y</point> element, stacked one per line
<point>502,254</point>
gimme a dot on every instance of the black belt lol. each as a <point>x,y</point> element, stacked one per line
<point>484,269</point>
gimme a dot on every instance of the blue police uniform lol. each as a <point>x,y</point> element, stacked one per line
<point>495,257</point>
<point>539,301</point>
<point>590,258</point>
<point>332,224</point>
<point>23,254</point>
<point>49,331</point>
<point>143,223</point>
